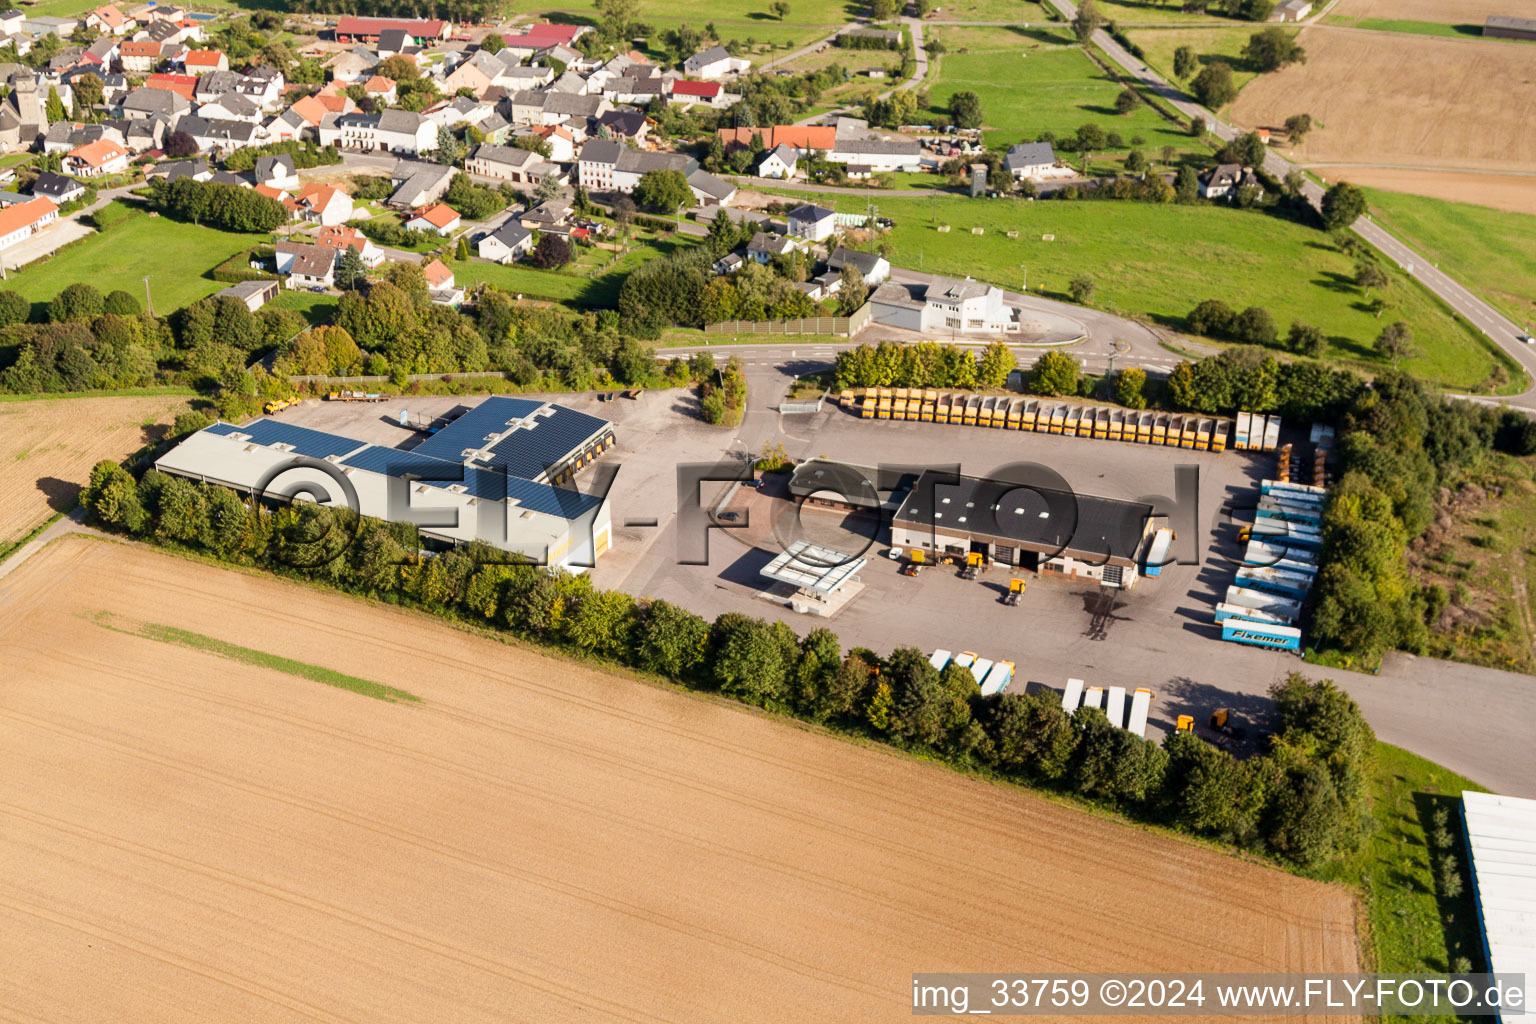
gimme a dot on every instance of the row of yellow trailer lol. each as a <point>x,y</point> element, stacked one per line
<point>1043,416</point>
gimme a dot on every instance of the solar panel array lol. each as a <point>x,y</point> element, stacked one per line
<point>470,430</point>
<point>527,453</point>
<point>317,444</point>
<point>508,473</point>
<point>485,484</point>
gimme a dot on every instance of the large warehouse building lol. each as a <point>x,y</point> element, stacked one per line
<point>498,467</point>
<point>1047,530</point>
<point>1501,844</point>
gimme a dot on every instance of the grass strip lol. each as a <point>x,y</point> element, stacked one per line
<point>260,659</point>
<point>1416,925</point>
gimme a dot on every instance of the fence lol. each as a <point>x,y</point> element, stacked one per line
<point>793,407</point>
<point>321,379</point>
<point>845,326</point>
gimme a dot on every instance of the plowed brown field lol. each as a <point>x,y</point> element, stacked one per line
<point>185,838</point>
<point>47,449</point>
<point>1400,99</point>
<point>1452,12</point>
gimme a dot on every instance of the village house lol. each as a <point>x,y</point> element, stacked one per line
<point>220,134</point>
<point>765,245</point>
<point>367,30</point>
<point>562,142</point>
<point>715,62</point>
<point>277,172</point>
<point>509,163</point>
<point>390,131</point>
<point>58,188</point>
<point>20,221</point>
<point>438,217</point>
<point>230,107</point>
<point>1223,181</point>
<point>200,62</point>
<point>780,162</point>
<point>812,223</point>
<point>342,237</point>
<point>325,205</point>
<point>506,243</point>
<point>96,159</point>
<point>538,39</point>
<point>874,267</point>
<point>1030,160</point>
<point>380,89</point>
<point>306,266</point>
<point>418,184</point>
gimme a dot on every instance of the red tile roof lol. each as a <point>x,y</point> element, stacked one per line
<point>186,85</point>
<point>800,137</point>
<point>682,87</point>
<point>351,26</point>
<point>378,83</point>
<point>439,215</point>
<point>204,58</point>
<point>545,35</point>
<point>140,48</point>
<point>340,236</point>
<point>20,215</point>
<point>98,153</point>
<point>437,274</point>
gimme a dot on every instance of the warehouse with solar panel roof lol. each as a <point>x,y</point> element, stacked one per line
<point>503,472</point>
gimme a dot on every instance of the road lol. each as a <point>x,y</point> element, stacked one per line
<point>1480,314</point>
<point>1159,635</point>
<point>920,55</point>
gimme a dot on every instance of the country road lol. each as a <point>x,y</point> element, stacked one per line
<point>1500,329</point>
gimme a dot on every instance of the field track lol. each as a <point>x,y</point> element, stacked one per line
<point>187,838</point>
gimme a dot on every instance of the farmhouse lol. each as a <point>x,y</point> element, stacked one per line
<point>510,163</point>
<point>499,467</point>
<point>391,131</point>
<point>715,62</point>
<point>1291,10</point>
<point>139,55</point>
<point>780,162</point>
<point>680,90</point>
<point>368,30</point>
<point>506,243</point>
<point>1029,160</point>
<point>538,38</point>
<point>550,108</point>
<point>805,138</point>
<point>418,184</point>
<point>765,245</point>
<point>607,165</point>
<point>1037,528</point>
<point>200,62</point>
<point>21,221</point>
<point>708,189</point>
<point>878,154</point>
<point>1223,181</point>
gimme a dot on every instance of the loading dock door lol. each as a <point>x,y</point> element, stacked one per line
<point>1029,559</point>
<point>1006,555</point>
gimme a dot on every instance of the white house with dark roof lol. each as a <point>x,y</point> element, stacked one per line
<point>1030,160</point>
<point>506,243</point>
<point>874,267</point>
<point>780,162</point>
<point>812,223</point>
<point>715,62</point>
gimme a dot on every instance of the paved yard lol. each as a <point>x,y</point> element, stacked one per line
<point>44,243</point>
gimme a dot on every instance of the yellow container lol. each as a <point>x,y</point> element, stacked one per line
<point>1015,413</point>
<point>845,399</point>
<point>867,403</point>
<point>1219,435</point>
<point>1027,417</point>
<point>984,411</point>
<point>1203,436</point>
<point>941,409</point>
<point>1116,424</point>
<point>1074,415</point>
<point>1058,419</point>
<point>926,410</point>
<point>1160,429</point>
<point>899,404</point>
<point>1190,432</point>
<point>1101,424</point>
<point>972,410</point>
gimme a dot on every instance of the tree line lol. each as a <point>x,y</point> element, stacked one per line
<point>1301,801</point>
<point>226,207</point>
<point>923,364</point>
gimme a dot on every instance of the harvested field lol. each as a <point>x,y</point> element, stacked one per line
<point>1513,192</point>
<point>202,838</point>
<point>1472,12</point>
<point>1451,104</point>
<point>51,444</point>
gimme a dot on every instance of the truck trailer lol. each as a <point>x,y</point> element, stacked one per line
<point>1261,634</point>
